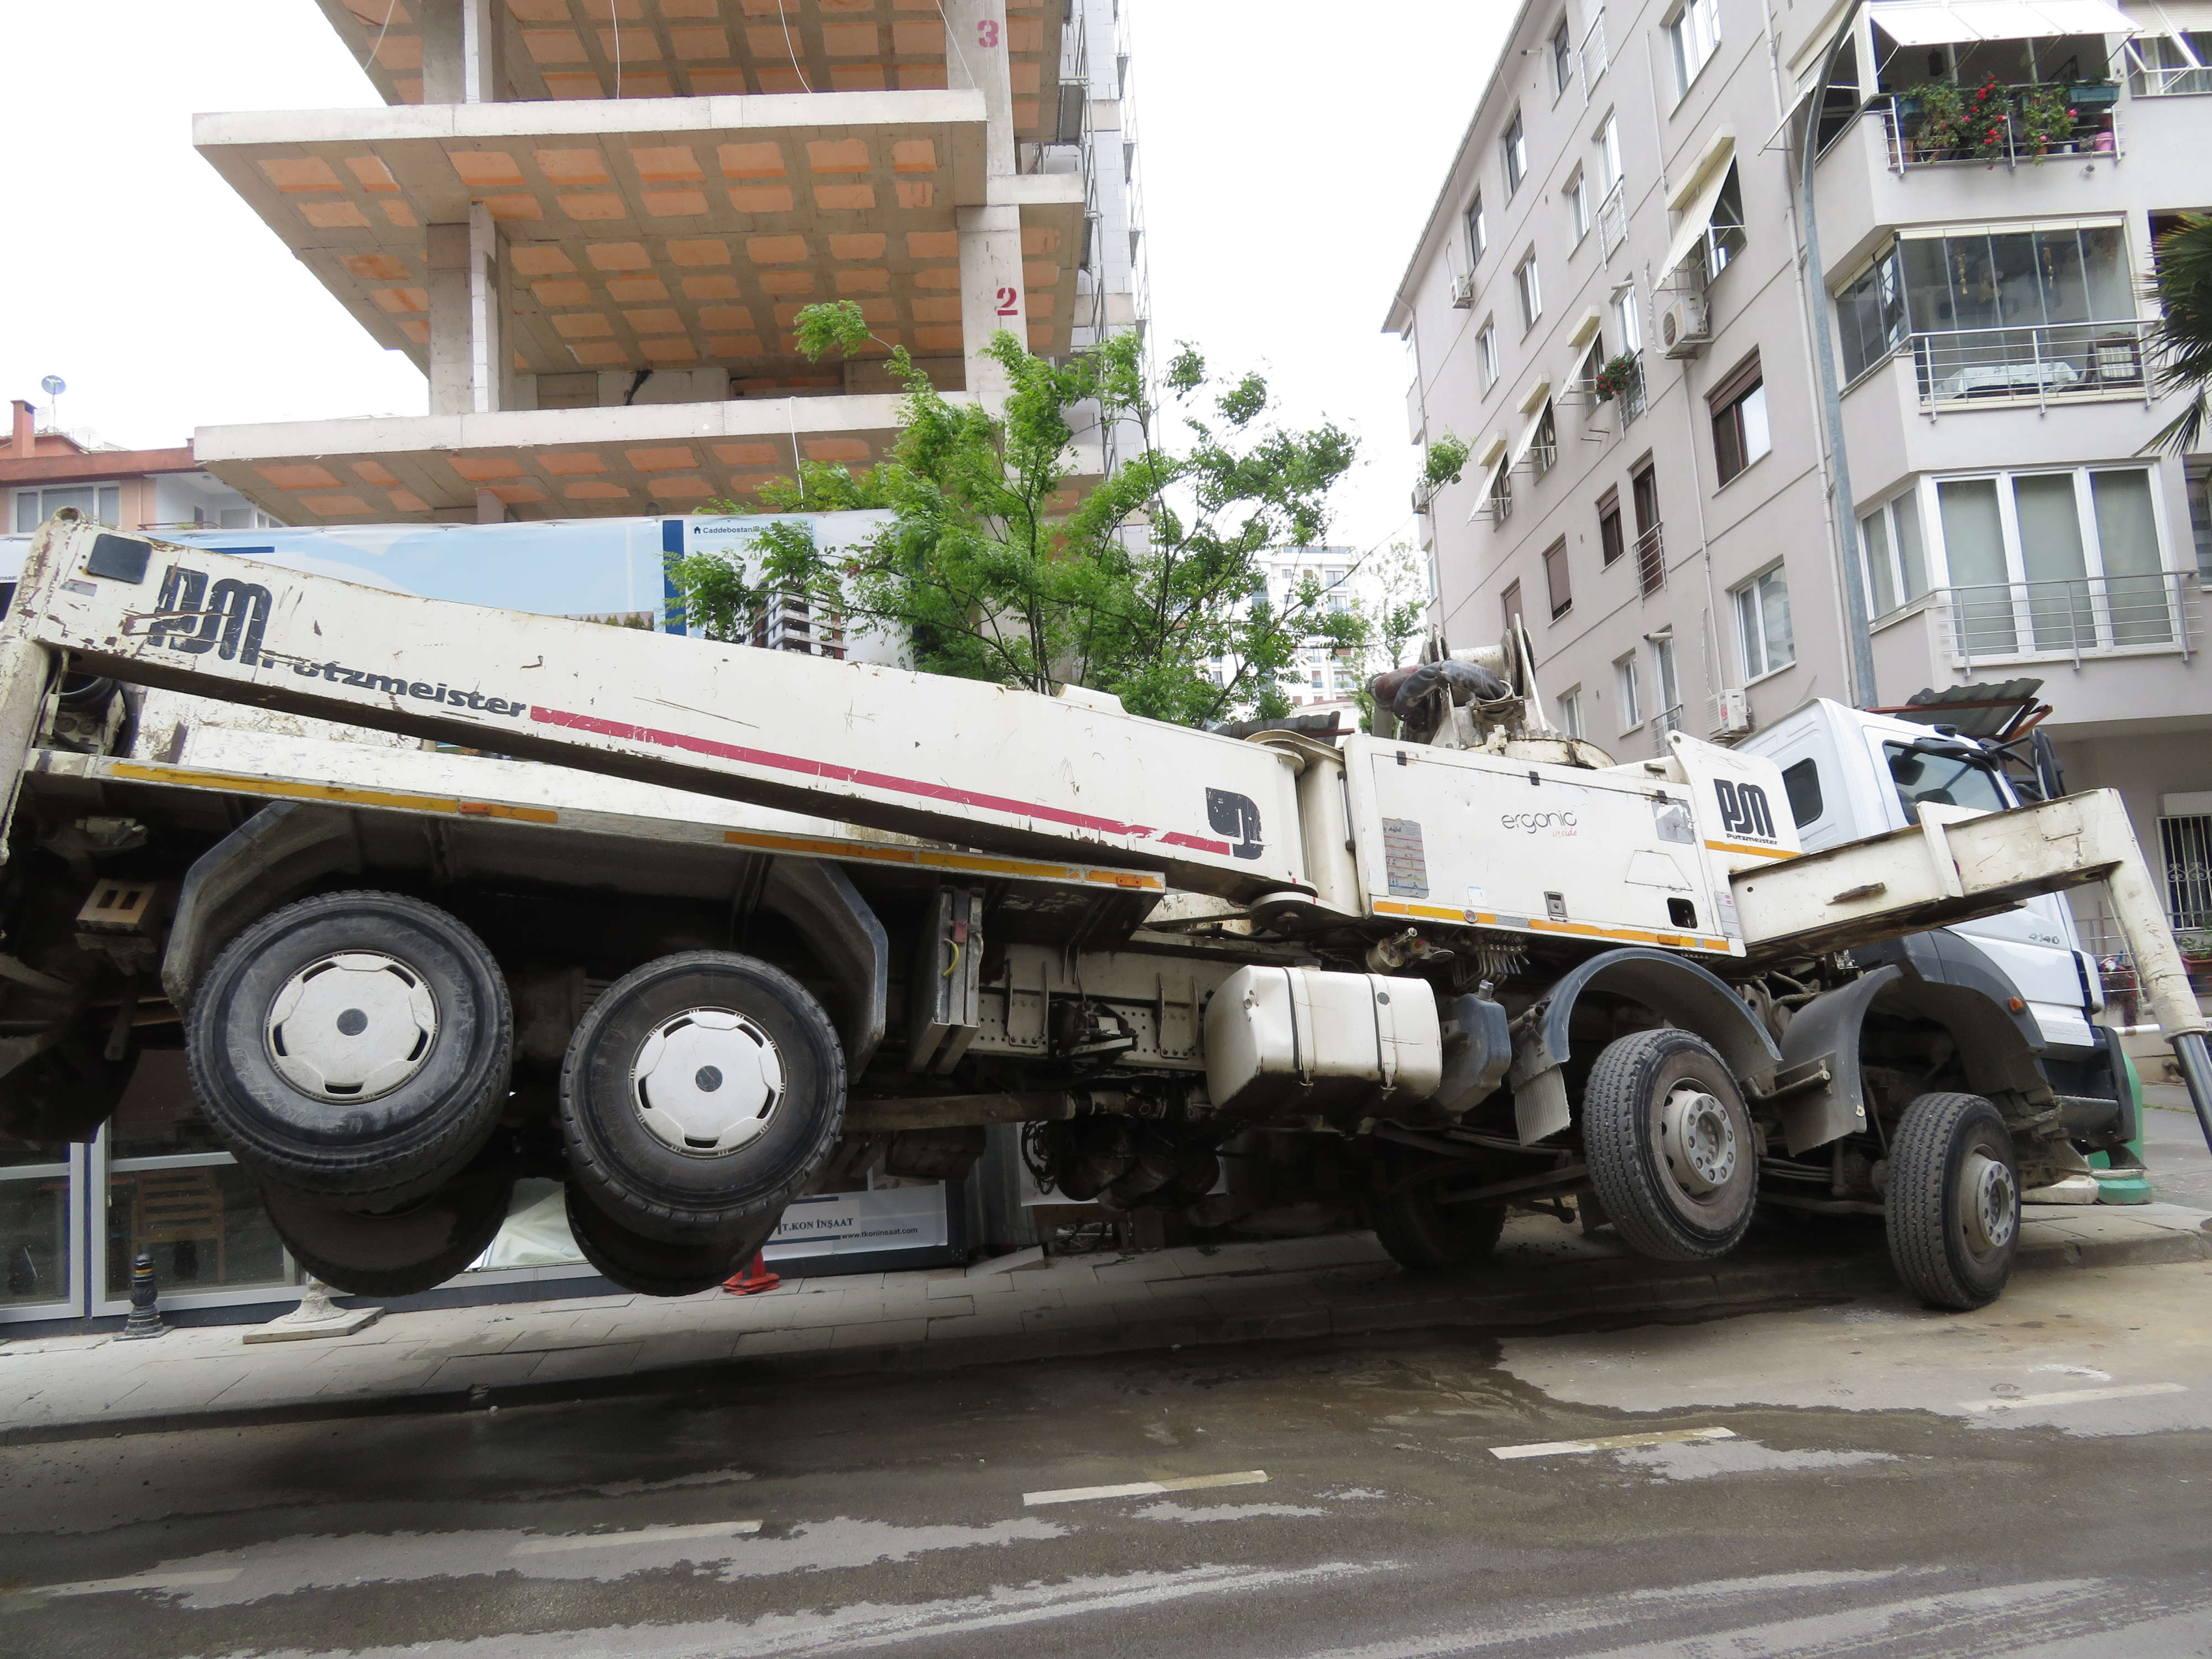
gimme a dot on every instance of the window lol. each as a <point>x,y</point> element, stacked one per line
<point>1693,33</point>
<point>2200,522</point>
<point>2185,840</point>
<point>1556,586</point>
<point>1578,204</point>
<point>1571,712</point>
<point>1478,231</point>
<point>1625,680</point>
<point>1544,446</point>
<point>2021,312</point>
<point>1512,607</point>
<point>2054,562</point>
<point>1628,319</point>
<point>1563,59</point>
<point>1526,287</point>
<point>1870,314</point>
<point>1762,615</point>
<point>1664,681</point>
<point>1608,153</point>
<point>102,503</point>
<point>1485,354</point>
<point>1942,779</point>
<point>1801,783</point>
<point>2171,65</point>
<point>1897,568</point>
<point>1739,413</point>
<point>1724,236</point>
<point>1515,145</point>
<point>1609,537</point>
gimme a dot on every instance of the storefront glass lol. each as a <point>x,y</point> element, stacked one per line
<point>34,1219</point>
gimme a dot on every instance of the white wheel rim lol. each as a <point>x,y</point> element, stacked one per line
<point>1700,1139</point>
<point>707,1082</point>
<point>351,1027</point>
<point>1986,1193</point>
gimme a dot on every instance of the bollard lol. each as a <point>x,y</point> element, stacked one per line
<point>145,1318</point>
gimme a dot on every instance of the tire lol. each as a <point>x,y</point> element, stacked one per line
<point>403,1253</point>
<point>1695,1203</point>
<point>1952,1208</point>
<point>389,1098</point>
<point>1419,1232</point>
<point>732,1115</point>
<point>649,1266</point>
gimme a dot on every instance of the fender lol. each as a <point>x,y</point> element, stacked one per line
<point>266,861</point>
<point>820,900</point>
<point>1678,990</point>
<point>1826,1031</point>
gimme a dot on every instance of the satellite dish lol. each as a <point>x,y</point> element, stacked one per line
<point>54,386</point>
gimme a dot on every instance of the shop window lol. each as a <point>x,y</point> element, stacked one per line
<point>34,1225</point>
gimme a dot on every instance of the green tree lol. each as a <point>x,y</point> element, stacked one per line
<point>2182,337</point>
<point>996,569</point>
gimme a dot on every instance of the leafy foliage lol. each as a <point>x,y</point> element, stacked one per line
<point>2182,337</point>
<point>997,569</point>
<point>1445,461</point>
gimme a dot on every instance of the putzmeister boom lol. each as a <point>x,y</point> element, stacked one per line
<point>1472,964</point>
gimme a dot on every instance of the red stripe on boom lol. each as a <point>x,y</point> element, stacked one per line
<point>824,769</point>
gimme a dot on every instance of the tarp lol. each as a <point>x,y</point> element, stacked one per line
<point>1696,218</point>
<point>1527,440</point>
<point>1959,22</point>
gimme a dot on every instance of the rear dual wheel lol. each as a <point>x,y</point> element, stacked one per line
<point>402,1252</point>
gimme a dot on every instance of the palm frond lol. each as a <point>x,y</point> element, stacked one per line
<point>2181,338</point>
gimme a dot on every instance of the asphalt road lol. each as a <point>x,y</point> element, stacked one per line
<point>2035,1479</point>
<point>2174,1149</point>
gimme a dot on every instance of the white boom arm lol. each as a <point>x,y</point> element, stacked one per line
<point>922,754</point>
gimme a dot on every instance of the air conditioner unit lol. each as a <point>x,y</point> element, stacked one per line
<point>1463,290</point>
<point>1685,326</point>
<point>1736,712</point>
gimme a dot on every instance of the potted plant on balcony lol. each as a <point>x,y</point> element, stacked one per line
<point>1988,120</point>
<point>1617,377</point>
<point>1942,134</point>
<point>2046,120</point>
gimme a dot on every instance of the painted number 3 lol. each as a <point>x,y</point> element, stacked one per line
<point>1009,300</point>
<point>986,32</point>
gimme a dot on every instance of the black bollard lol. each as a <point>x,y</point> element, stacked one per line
<point>145,1318</point>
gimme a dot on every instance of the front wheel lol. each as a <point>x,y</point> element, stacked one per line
<point>1952,1208</point>
<point>1672,1149</point>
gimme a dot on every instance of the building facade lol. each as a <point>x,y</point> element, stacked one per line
<point>44,469</point>
<point>1613,303</point>
<point>593,226</point>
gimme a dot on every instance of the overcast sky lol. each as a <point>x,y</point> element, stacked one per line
<point>1290,154</point>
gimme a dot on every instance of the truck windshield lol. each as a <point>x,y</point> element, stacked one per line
<point>1942,779</point>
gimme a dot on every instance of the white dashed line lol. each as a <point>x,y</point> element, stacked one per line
<point>1147,1488</point>
<point>642,1535</point>
<point>153,1581</point>
<point>1611,1443</point>
<point>2071,1397</point>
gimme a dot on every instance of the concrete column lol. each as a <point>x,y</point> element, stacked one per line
<point>460,50</point>
<point>991,296</point>
<point>976,55</point>
<point>451,379</point>
<point>490,508</point>
<point>491,365</point>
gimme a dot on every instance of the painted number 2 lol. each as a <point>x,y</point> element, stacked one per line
<point>986,32</point>
<point>1010,302</point>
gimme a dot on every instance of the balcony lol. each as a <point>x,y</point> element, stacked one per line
<point>1663,725</point>
<point>2022,129</point>
<point>2068,619</point>
<point>1651,561</point>
<point>2040,365</point>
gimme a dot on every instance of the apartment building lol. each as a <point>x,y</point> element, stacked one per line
<point>1612,303</point>
<point>592,223</point>
<point>44,469</point>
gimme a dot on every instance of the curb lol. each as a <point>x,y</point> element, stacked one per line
<point>1618,1293</point>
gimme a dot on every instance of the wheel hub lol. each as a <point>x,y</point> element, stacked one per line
<point>707,1082</point>
<point>351,1027</point>
<point>1699,1140</point>
<point>1987,1194</point>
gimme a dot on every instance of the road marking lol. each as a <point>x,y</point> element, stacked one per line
<point>145,1581</point>
<point>601,1540</point>
<point>2072,1397</point>
<point>1611,1443</point>
<point>1147,1488</point>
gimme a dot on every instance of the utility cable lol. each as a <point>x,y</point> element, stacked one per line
<point>783,16</point>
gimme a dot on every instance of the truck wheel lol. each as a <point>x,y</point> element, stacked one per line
<point>354,1047</point>
<point>1418,1230</point>
<point>1953,1210</point>
<point>402,1253</point>
<point>699,1096</point>
<point>1672,1149</point>
<point>648,1266</point>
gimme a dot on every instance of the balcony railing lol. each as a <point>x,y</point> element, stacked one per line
<point>1665,721</point>
<point>1613,219</point>
<point>1594,59</point>
<point>2009,139</point>
<point>1651,561</point>
<point>2043,364</point>
<point>2072,617</point>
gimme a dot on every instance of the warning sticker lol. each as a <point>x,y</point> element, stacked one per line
<point>1404,861</point>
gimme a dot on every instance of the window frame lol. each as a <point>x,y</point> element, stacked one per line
<point>1728,407</point>
<point>1686,73</point>
<point>1576,191</point>
<point>1628,687</point>
<point>1571,711</point>
<point>1613,548</point>
<point>1478,231</point>
<point>1559,579</point>
<point>106,503</point>
<point>1607,141</point>
<point>1528,290</point>
<point>1509,606</point>
<point>1486,352</point>
<point>1561,44</point>
<point>1905,507</point>
<point>1750,600</point>
<point>1513,147</point>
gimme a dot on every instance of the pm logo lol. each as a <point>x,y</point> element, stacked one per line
<point>1236,816</point>
<point>1744,810</point>
<point>227,619</point>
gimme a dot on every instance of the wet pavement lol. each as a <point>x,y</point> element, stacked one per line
<point>1863,1478</point>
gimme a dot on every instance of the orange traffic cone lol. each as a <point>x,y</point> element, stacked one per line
<point>754,1279</point>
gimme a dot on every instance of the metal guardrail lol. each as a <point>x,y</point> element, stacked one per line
<point>2077,617</point>
<point>1663,722</point>
<point>2097,131</point>
<point>1651,560</point>
<point>2042,362</point>
<point>1613,220</point>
